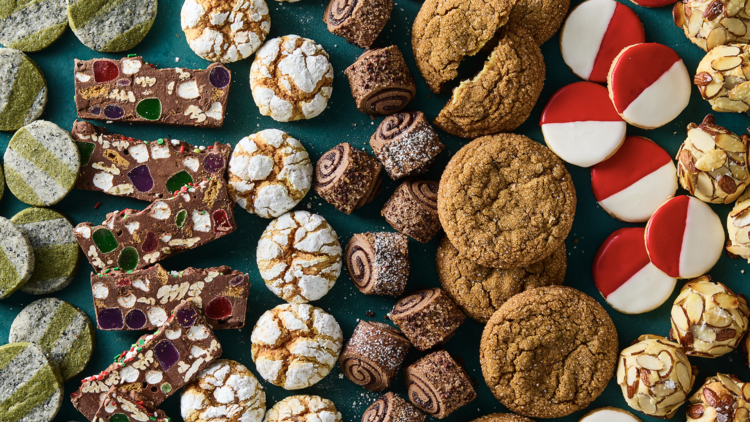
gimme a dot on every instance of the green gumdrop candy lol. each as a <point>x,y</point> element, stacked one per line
<point>149,108</point>
<point>104,240</point>
<point>118,417</point>
<point>128,259</point>
<point>85,149</point>
<point>178,180</point>
<point>166,388</point>
<point>180,219</point>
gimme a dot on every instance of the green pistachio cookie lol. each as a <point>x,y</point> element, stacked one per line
<point>16,258</point>
<point>29,25</point>
<point>23,90</point>
<point>111,25</point>
<point>31,385</point>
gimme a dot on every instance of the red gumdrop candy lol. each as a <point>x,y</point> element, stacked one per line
<point>105,70</point>
<point>150,243</point>
<point>221,222</point>
<point>219,308</point>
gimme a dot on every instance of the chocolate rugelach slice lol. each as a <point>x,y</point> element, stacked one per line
<point>378,263</point>
<point>121,405</point>
<point>130,240</point>
<point>437,385</point>
<point>123,166</point>
<point>143,299</point>
<point>406,144</point>
<point>373,355</point>
<point>412,209</point>
<point>158,364</point>
<point>347,178</point>
<point>131,90</point>
<point>358,21</point>
<point>381,82</point>
<point>427,317</point>
<point>392,408</point>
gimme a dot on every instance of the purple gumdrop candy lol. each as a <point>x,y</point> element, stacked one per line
<point>123,82</point>
<point>95,110</point>
<point>213,163</point>
<point>135,319</point>
<point>186,317</point>
<point>166,354</point>
<point>110,319</point>
<point>141,178</point>
<point>237,280</point>
<point>113,111</point>
<point>219,77</point>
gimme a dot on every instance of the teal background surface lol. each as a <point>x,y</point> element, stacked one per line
<point>341,122</point>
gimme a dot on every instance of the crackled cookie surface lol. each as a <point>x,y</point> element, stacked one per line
<point>502,417</point>
<point>561,362</point>
<point>709,24</point>
<point>722,78</point>
<point>303,408</point>
<point>541,17</point>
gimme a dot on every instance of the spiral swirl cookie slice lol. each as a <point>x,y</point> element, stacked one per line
<point>392,408</point>
<point>427,317</point>
<point>504,417</point>
<point>303,408</point>
<point>16,258</point>
<point>381,82</point>
<point>437,385</point>
<point>373,355</point>
<point>31,384</point>
<point>269,173</point>
<point>532,374</point>
<point>412,209</point>
<point>358,21</point>
<point>295,346</point>
<point>32,26</point>
<point>347,178</point>
<point>378,263</point>
<point>406,144</point>
<point>709,24</point>
<point>23,90</point>
<point>111,25</point>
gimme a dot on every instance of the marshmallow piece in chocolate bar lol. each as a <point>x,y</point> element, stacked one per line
<point>123,166</point>
<point>130,240</point>
<point>121,405</point>
<point>143,299</point>
<point>158,364</point>
<point>131,90</point>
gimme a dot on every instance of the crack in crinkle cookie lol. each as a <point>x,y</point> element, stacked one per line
<point>303,408</point>
<point>226,391</point>
<point>295,346</point>
<point>291,78</point>
<point>299,257</point>
<point>269,173</point>
<point>111,25</point>
<point>225,30</point>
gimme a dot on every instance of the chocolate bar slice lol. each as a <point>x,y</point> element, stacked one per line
<point>131,90</point>
<point>129,240</point>
<point>123,166</point>
<point>121,405</point>
<point>158,364</point>
<point>142,299</point>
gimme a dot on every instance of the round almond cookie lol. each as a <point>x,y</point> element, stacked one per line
<point>738,227</point>
<point>625,276</point>
<point>32,26</point>
<point>609,414</point>
<point>226,391</point>
<point>480,291</point>
<point>542,18</point>
<point>684,237</point>
<point>506,201</point>
<point>635,181</point>
<point>32,386</point>
<point>649,85</point>
<point>709,24</point>
<point>111,26</point>
<point>269,173</point>
<point>502,417</point>
<point>291,78</point>
<point>595,33</point>
<point>295,346</point>
<point>303,408</point>
<point>580,124</point>
<point>226,30</point>
<point>16,258</point>
<point>299,257</point>
<point>23,90</point>
<point>721,78</point>
<point>41,164</point>
<point>561,325</point>
<point>704,406</point>
<point>55,249</point>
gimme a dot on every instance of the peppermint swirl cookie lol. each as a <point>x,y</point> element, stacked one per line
<point>295,346</point>
<point>721,78</point>
<point>303,408</point>
<point>406,144</point>
<point>299,257</point>
<point>711,23</point>
<point>378,263</point>
<point>392,408</point>
<point>226,30</point>
<point>381,82</point>
<point>373,355</point>
<point>269,173</point>
<point>347,178</point>
<point>291,78</point>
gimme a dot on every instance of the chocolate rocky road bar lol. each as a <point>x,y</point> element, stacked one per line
<point>121,405</point>
<point>131,90</point>
<point>123,166</point>
<point>158,364</point>
<point>129,240</point>
<point>142,299</point>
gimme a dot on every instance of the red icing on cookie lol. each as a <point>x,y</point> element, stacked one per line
<point>637,158</point>
<point>653,3</point>
<point>664,234</point>
<point>580,102</point>
<point>620,257</point>
<point>624,29</point>
<point>638,68</point>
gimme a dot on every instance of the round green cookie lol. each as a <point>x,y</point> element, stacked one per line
<point>31,25</point>
<point>111,25</point>
<point>41,164</point>
<point>31,388</point>
<point>55,249</point>
<point>16,258</point>
<point>63,331</point>
<point>23,90</point>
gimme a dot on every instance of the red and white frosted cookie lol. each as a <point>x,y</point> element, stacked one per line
<point>609,414</point>
<point>635,181</point>
<point>625,276</point>
<point>684,237</point>
<point>649,85</point>
<point>653,3</point>
<point>595,33</point>
<point>580,124</point>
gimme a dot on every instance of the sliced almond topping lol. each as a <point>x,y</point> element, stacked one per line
<point>719,351</point>
<point>686,159</point>
<point>740,208</point>
<point>741,415</point>
<point>711,160</point>
<point>650,362</point>
<point>706,287</point>
<point>746,391</point>
<point>732,143</point>
<point>663,389</point>
<point>701,140</point>
<point>678,14</point>
<point>675,399</point>
<point>727,184</point>
<point>711,398</point>
<point>705,185</point>
<point>726,300</point>
<point>746,68</point>
<point>718,36</point>
<point>739,172</point>
<point>647,407</point>
<point>735,26</point>
<point>621,371</point>
<point>634,349</point>
<point>679,319</point>
<point>725,104</point>
<point>702,78</point>
<point>726,334</point>
<point>733,7</point>
<point>703,333</point>
<point>684,375</point>
<point>743,219</point>
<point>712,89</point>
<point>694,24</point>
<point>713,10</point>
<point>732,81</point>
<point>740,92</point>
<point>717,317</point>
<point>727,50</point>
<point>694,308</point>
<point>729,384</point>
<point>668,361</point>
<point>695,411</point>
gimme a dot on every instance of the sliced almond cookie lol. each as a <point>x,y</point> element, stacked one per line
<point>269,173</point>
<point>23,90</point>
<point>738,228</point>
<point>723,78</point>
<point>303,408</point>
<point>55,249</point>
<point>32,25</point>
<point>711,23</point>
<point>41,164</point>
<point>16,258</point>
<point>111,25</point>
<point>62,330</point>
<point>31,386</point>
<point>720,398</point>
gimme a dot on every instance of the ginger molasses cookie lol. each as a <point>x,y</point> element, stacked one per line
<point>506,201</point>
<point>563,361</point>
<point>446,31</point>
<point>502,417</point>
<point>501,96</point>
<point>541,17</point>
<point>480,291</point>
